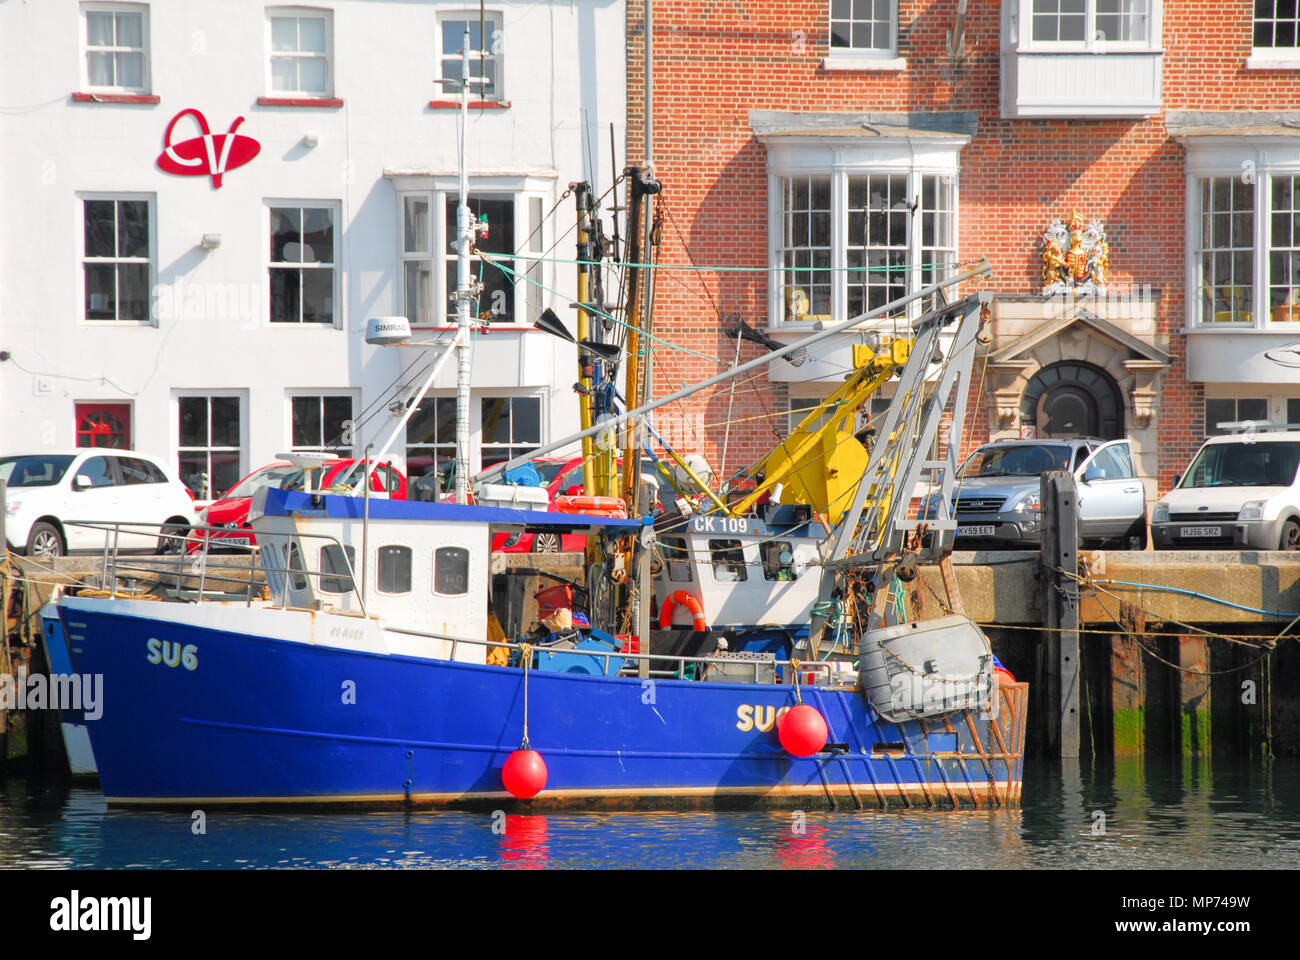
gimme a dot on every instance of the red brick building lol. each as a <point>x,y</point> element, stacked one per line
<point>801,141</point>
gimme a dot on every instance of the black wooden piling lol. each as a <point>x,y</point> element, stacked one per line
<point>1060,545</point>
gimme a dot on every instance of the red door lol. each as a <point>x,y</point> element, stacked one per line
<point>104,425</point>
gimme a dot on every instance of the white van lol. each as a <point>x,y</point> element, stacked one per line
<point>1240,493</point>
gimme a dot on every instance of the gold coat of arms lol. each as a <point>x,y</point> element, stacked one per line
<point>1075,257</point>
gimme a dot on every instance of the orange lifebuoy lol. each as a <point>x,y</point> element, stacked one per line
<point>614,507</point>
<point>681,597</point>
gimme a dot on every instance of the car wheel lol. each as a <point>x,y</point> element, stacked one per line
<point>1136,538</point>
<point>45,541</point>
<point>172,541</point>
<point>1290,536</point>
<point>546,543</point>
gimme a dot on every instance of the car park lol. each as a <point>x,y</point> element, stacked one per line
<point>1240,492</point>
<point>50,494</point>
<point>226,520</point>
<point>997,493</point>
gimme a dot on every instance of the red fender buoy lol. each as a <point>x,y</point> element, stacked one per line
<point>802,731</point>
<point>1003,675</point>
<point>524,774</point>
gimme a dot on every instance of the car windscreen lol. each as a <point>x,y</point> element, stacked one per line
<point>286,477</point>
<point>1258,464</point>
<point>42,470</point>
<point>547,469</point>
<point>1028,460</point>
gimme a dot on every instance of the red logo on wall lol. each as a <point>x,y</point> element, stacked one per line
<point>210,154</point>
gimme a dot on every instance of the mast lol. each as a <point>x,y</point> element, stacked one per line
<point>586,380</point>
<point>464,337</point>
<point>643,184</point>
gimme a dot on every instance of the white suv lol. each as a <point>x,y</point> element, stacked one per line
<point>48,492</point>
<point>1240,493</point>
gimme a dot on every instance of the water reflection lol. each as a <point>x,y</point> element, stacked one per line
<point>1132,813</point>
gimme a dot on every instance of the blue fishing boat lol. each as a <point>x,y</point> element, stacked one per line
<point>314,697</point>
<point>374,673</point>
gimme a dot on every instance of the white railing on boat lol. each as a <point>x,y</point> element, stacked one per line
<point>113,568</point>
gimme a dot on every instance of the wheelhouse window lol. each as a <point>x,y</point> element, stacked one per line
<point>300,42</point>
<point>728,557</point>
<point>297,571</point>
<point>209,439</point>
<point>394,569</point>
<point>485,44</point>
<point>677,558</point>
<point>116,47</point>
<point>117,259</point>
<point>450,571</point>
<point>301,266</point>
<point>512,426</point>
<point>321,423</point>
<point>336,566</point>
<point>778,560</point>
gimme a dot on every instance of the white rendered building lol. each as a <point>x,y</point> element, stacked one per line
<point>209,305</point>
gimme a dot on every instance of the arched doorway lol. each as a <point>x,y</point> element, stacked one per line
<point>1073,399</point>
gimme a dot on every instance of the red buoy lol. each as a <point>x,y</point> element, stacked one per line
<point>524,774</point>
<point>1003,675</point>
<point>802,731</point>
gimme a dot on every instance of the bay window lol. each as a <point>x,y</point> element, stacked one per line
<point>511,208</point>
<point>862,231</point>
<point>1246,230</point>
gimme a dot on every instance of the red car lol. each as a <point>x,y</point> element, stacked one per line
<point>561,476</point>
<point>230,513</point>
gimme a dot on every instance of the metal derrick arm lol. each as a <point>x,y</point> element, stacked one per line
<point>865,380</point>
<point>876,525</point>
<point>893,307</point>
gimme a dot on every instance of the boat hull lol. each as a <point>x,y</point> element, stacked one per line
<point>198,715</point>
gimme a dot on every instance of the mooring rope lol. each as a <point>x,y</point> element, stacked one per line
<point>526,657</point>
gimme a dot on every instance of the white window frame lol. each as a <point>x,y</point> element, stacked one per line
<point>814,156</point>
<point>527,192</point>
<point>300,13</point>
<point>268,264</point>
<point>85,48</point>
<point>1257,160</point>
<point>476,420</point>
<point>496,55</point>
<point>1022,32</point>
<point>862,58</point>
<point>1271,57</point>
<point>152,260</point>
<point>320,396</point>
<point>242,450</point>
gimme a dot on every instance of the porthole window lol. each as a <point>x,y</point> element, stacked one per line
<point>451,571</point>
<point>394,569</point>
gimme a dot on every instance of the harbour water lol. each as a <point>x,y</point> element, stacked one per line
<point>1135,814</point>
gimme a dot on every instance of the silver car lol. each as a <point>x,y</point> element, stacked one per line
<point>998,501</point>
